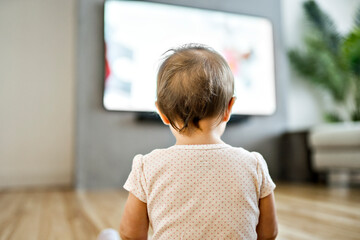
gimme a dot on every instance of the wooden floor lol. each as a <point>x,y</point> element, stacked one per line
<point>304,212</point>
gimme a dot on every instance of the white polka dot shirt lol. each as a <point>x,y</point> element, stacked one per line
<point>201,191</point>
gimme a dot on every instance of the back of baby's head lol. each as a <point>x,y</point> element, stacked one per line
<point>194,82</point>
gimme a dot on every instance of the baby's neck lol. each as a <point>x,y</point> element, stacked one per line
<point>208,135</point>
<point>198,139</point>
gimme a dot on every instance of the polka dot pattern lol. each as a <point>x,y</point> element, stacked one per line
<point>201,191</point>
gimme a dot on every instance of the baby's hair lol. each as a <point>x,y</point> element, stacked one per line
<point>194,82</point>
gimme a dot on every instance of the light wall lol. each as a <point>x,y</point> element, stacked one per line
<point>37,52</point>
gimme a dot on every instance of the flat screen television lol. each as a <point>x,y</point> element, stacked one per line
<point>137,33</point>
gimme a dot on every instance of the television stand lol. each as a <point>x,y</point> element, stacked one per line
<point>154,117</point>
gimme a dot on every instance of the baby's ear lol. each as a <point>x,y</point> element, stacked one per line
<point>162,116</point>
<point>229,108</point>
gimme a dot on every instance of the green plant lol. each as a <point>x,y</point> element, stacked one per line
<point>331,61</point>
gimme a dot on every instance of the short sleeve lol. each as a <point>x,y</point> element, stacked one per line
<point>136,183</point>
<point>265,183</point>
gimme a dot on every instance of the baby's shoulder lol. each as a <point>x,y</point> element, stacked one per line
<point>156,154</point>
<point>243,152</point>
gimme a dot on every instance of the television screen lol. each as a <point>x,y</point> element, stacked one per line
<point>137,33</point>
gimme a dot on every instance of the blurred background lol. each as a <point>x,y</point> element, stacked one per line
<point>54,130</point>
<point>64,158</point>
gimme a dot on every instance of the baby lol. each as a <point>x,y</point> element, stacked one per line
<point>200,188</point>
